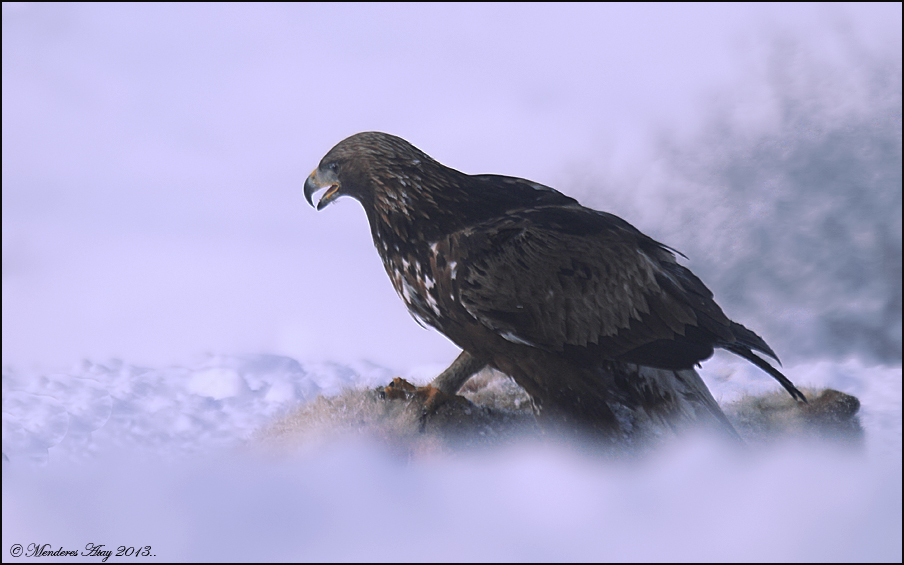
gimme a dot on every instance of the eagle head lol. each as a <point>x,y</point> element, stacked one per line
<point>326,175</point>
<point>367,165</point>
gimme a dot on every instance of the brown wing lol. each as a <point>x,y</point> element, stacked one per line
<point>587,284</point>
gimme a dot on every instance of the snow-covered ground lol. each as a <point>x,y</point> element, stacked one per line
<point>121,455</point>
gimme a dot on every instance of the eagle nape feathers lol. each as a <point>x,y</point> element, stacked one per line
<point>596,321</point>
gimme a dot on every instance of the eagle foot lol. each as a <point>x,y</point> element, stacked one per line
<point>426,399</point>
<point>398,389</point>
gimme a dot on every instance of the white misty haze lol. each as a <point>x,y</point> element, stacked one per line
<point>153,156</point>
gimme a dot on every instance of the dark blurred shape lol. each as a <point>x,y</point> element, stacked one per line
<point>794,218</point>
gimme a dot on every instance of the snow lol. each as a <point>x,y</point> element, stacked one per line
<point>117,454</point>
<point>154,225</point>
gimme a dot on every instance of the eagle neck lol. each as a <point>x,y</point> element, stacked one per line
<point>416,206</point>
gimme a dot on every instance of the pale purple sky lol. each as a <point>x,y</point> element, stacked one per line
<point>153,155</point>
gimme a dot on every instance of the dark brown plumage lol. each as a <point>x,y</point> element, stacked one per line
<point>595,320</point>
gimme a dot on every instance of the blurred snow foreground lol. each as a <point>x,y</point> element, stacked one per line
<point>275,400</point>
<point>266,458</point>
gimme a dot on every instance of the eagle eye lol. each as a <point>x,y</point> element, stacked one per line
<point>333,166</point>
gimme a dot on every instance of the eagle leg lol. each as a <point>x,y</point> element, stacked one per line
<point>454,377</point>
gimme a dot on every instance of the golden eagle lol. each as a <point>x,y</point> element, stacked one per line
<point>595,320</point>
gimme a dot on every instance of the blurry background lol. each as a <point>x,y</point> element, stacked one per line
<point>154,155</point>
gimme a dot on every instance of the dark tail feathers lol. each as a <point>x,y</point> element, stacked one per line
<point>745,342</point>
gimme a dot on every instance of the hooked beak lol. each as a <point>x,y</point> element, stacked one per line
<point>318,180</point>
